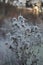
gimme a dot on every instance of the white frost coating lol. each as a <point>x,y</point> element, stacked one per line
<point>20,18</point>
<point>20,38</point>
<point>14,19</point>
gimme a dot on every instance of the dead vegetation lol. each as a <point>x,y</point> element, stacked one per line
<point>28,13</point>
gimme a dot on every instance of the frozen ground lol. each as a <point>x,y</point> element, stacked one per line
<point>21,42</point>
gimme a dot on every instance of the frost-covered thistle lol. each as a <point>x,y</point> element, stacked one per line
<point>23,43</point>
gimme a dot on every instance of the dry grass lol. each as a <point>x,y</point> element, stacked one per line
<point>26,12</point>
